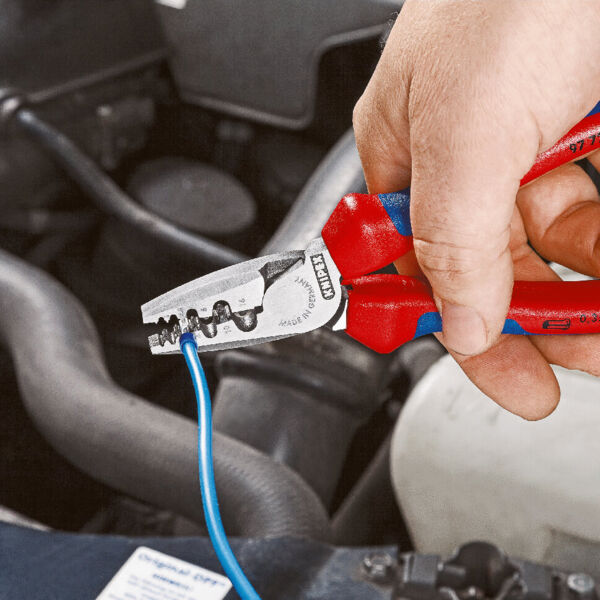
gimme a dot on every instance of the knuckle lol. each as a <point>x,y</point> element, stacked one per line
<point>593,254</point>
<point>446,258</point>
<point>362,122</point>
<point>378,133</point>
<point>359,114</point>
<point>456,262</point>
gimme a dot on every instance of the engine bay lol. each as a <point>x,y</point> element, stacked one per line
<point>224,133</point>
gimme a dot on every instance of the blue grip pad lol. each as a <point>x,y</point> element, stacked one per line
<point>431,322</point>
<point>397,206</point>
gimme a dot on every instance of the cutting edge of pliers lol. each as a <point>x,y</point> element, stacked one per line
<point>263,299</point>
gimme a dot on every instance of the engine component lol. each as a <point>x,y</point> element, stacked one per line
<point>49,48</point>
<point>338,174</point>
<point>109,197</point>
<point>10,516</point>
<point>464,468</point>
<point>27,177</point>
<point>481,570</point>
<point>153,234</point>
<point>281,175</point>
<point>119,128</point>
<point>287,567</point>
<point>312,413</point>
<point>275,82</point>
<point>283,567</point>
<point>131,264</point>
<point>193,195</point>
<point>369,513</point>
<point>122,440</point>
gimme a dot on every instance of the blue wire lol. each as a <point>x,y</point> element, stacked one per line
<point>207,477</point>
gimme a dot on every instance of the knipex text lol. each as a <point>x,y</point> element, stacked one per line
<point>323,278</point>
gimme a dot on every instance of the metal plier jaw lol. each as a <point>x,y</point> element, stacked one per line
<point>260,300</point>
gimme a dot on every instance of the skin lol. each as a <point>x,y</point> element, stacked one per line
<point>464,97</point>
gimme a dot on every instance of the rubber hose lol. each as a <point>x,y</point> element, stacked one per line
<point>338,174</point>
<point>122,440</point>
<point>367,513</point>
<point>111,199</point>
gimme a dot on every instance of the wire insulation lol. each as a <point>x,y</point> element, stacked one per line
<point>207,478</point>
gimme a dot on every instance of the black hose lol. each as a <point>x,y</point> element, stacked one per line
<point>339,173</point>
<point>370,512</point>
<point>111,199</point>
<point>126,442</point>
<point>300,415</point>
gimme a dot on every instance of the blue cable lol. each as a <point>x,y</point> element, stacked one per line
<point>207,477</point>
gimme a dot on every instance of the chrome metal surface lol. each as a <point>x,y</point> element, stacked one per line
<point>260,300</point>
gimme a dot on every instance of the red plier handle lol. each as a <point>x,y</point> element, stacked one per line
<point>366,232</point>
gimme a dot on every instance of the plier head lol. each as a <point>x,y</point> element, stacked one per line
<point>260,300</point>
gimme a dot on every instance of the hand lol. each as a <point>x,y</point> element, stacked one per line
<point>465,96</point>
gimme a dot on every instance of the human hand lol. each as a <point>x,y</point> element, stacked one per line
<point>465,96</point>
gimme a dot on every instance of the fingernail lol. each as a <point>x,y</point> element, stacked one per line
<point>464,329</point>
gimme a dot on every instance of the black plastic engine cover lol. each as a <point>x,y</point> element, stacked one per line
<point>258,60</point>
<point>51,46</point>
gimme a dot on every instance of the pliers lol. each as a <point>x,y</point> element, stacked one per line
<point>327,284</point>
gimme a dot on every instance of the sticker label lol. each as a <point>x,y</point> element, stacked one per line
<point>151,575</point>
<point>173,3</point>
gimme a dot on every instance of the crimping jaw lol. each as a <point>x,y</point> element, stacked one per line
<point>264,299</point>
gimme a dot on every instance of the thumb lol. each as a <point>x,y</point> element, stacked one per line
<point>463,189</point>
<point>462,201</point>
<point>461,208</point>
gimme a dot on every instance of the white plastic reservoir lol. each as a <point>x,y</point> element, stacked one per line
<point>465,469</point>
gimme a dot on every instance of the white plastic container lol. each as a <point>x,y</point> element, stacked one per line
<point>465,469</point>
